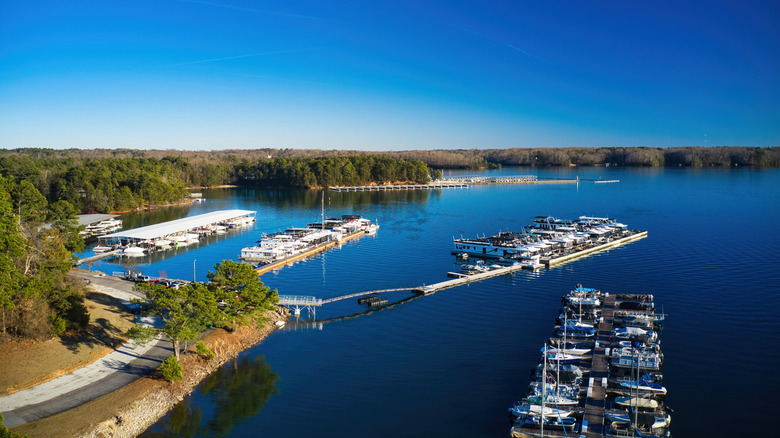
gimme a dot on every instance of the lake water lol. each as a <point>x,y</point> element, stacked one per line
<point>451,364</point>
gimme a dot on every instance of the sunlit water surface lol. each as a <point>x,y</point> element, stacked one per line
<point>451,364</point>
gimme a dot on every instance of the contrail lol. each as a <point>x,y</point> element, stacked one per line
<point>249,55</point>
<point>499,42</point>
<point>259,11</point>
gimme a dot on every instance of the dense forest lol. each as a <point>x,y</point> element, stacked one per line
<point>128,181</point>
<point>102,180</point>
<point>37,239</point>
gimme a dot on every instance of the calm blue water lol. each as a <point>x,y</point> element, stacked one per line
<point>450,364</point>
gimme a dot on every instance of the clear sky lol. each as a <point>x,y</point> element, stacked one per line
<point>388,75</point>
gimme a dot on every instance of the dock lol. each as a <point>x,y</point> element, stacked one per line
<point>609,326</point>
<point>459,182</point>
<point>383,188</point>
<point>607,245</point>
<point>101,256</point>
<point>497,179</point>
<point>314,250</point>
<point>599,372</point>
<point>548,262</point>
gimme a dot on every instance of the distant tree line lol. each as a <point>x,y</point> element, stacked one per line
<point>99,183</point>
<point>331,171</point>
<point>37,239</point>
<point>620,156</point>
<point>124,179</point>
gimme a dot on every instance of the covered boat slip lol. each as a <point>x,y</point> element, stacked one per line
<point>187,225</point>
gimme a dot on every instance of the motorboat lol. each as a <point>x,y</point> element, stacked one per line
<point>635,334</point>
<point>99,249</point>
<point>637,402</point>
<point>522,410</point>
<point>642,424</point>
<point>644,385</point>
<point>134,251</point>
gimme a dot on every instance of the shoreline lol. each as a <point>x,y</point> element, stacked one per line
<point>132,409</point>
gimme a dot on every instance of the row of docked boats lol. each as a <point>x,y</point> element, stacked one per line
<point>554,404</point>
<point>279,246</point>
<point>172,241</point>
<point>545,237</point>
<point>101,228</point>
<point>635,403</point>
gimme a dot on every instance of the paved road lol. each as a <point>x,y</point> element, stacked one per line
<point>115,370</point>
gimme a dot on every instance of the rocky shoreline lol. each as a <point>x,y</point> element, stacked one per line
<point>136,416</point>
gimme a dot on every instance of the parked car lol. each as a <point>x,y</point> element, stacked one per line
<point>137,308</point>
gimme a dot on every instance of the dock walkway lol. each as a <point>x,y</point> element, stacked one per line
<point>97,257</point>
<point>599,371</point>
<point>432,186</point>
<point>465,279</point>
<point>314,250</point>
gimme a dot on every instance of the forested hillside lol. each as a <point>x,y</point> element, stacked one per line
<point>96,181</point>
<point>36,297</point>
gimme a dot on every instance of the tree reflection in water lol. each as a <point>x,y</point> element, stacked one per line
<point>232,393</point>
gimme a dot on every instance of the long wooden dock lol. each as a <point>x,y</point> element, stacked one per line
<point>599,371</point>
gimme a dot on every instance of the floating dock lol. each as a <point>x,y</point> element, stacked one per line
<point>314,250</point>
<point>458,182</point>
<point>101,256</point>
<point>383,188</point>
<point>597,401</point>
<point>548,262</point>
<point>599,371</point>
<point>607,245</point>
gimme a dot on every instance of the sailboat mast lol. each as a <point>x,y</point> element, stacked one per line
<point>544,389</point>
<point>322,224</point>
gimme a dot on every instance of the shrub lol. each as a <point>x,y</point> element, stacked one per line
<point>6,433</point>
<point>204,351</point>
<point>171,369</point>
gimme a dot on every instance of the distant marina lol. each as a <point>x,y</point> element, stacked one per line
<point>464,182</point>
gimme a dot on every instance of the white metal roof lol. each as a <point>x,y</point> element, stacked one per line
<point>179,225</point>
<point>87,219</point>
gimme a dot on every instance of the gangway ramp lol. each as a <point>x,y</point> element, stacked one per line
<point>296,302</point>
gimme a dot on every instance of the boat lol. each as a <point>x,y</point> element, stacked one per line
<point>552,400</point>
<point>575,329</point>
<point>637,424</point>
<point>522,410</point>
<point>645,386</point>
<point>473,269</point>
<point>562,358</point>
<point>102,248</point>
<point>573,350</point>
<point>280,323</point>
<point>134,251</point>
<point>551,423</point>
<point>635,334</point>
<point>294,241</point>
<point>637,402</point>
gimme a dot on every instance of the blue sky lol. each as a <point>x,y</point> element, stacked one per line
<point>389,75</point>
